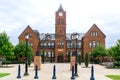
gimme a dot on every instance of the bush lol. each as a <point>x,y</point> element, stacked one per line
<point>12,62</point>
<point>68,57</point>
<point>86,60</point>
<point>79,59</point>
<point>116,64</point>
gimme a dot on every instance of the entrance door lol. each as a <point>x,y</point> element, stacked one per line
<point>60,58</point>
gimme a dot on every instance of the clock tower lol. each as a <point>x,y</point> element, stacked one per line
<point>60,35</point>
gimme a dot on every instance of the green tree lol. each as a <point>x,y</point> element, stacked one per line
<point>30,55</point>
<point>79,59</point>
<point>6,47</point>
<point>98,52</point>
<point>20,51</point>
<point>51,58</point>
<point>86,60</point>
<point>43,57</point>
<point>68,56</point>
<point>115,51</point>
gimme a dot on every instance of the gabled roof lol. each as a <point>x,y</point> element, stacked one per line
<point>94,25</point>
<point>28,27</point>
<point>34,31</point>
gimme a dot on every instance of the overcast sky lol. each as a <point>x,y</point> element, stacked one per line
<point>15,15</point>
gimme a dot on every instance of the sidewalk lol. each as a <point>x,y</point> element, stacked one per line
<point>62,72</point>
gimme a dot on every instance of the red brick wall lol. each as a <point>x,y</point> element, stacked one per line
<point>88,38</point>
<point>33,39</point>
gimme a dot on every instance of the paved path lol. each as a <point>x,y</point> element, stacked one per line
<point>62,70</point>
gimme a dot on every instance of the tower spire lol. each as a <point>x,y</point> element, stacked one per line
<point>60,8</point>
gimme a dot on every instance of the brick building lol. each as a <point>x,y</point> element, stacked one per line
<point>60,43</point>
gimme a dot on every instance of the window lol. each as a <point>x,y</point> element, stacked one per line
<point>31,44</point>
<point>71,46</point>
<point>70,53</point>
<point>79,53</point>
<point>49,45</point>
<point>60,44</point>
<point>41,45</point>
<point>45,45</point>
<point>52,54</point>
<point>94,44</point>
<point>93,34</point>
<point>30,35</point>
<point>98,43</point>
<point>45,54</point>
<point>90,44</point>
<point>79,45</point>
<point>96,34</point>
<point>49,54</point>
<point>52,44</point>
<point>68,45</point>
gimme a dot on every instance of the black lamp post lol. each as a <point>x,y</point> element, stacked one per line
<point>26,63</point>
<point>76,36</point>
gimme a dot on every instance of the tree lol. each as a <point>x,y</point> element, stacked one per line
<point>86,60</point>
<point>43,57</point>
<point>30,55</point>
<point>114,51</point>
<point>51,58</point>
<point>79,59</point>
<point>98,52</point>
<point>20,51</point>
<point>68,56</point>
<point>6,47</point>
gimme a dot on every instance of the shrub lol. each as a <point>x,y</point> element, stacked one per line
<point>79,59</point>
<point>13,62</point>
<point>116,64</point>
<point>86,60</point>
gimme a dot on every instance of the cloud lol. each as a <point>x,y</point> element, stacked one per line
<point>15,15</point>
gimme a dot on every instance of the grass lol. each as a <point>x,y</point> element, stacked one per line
<point>114,77</point>
<point>4,74</point>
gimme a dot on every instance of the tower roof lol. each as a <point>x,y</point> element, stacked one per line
<point>60,8</point>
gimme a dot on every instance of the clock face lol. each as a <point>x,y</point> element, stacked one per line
<point>60,14</point>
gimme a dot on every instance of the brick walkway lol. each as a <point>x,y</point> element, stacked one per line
<point>62,70</point>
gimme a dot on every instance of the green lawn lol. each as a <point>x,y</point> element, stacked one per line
<point>114,77</point>
<point>4,74</point>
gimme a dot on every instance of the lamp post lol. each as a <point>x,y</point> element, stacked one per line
<point>26,63</point>
<point>75,36</point>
